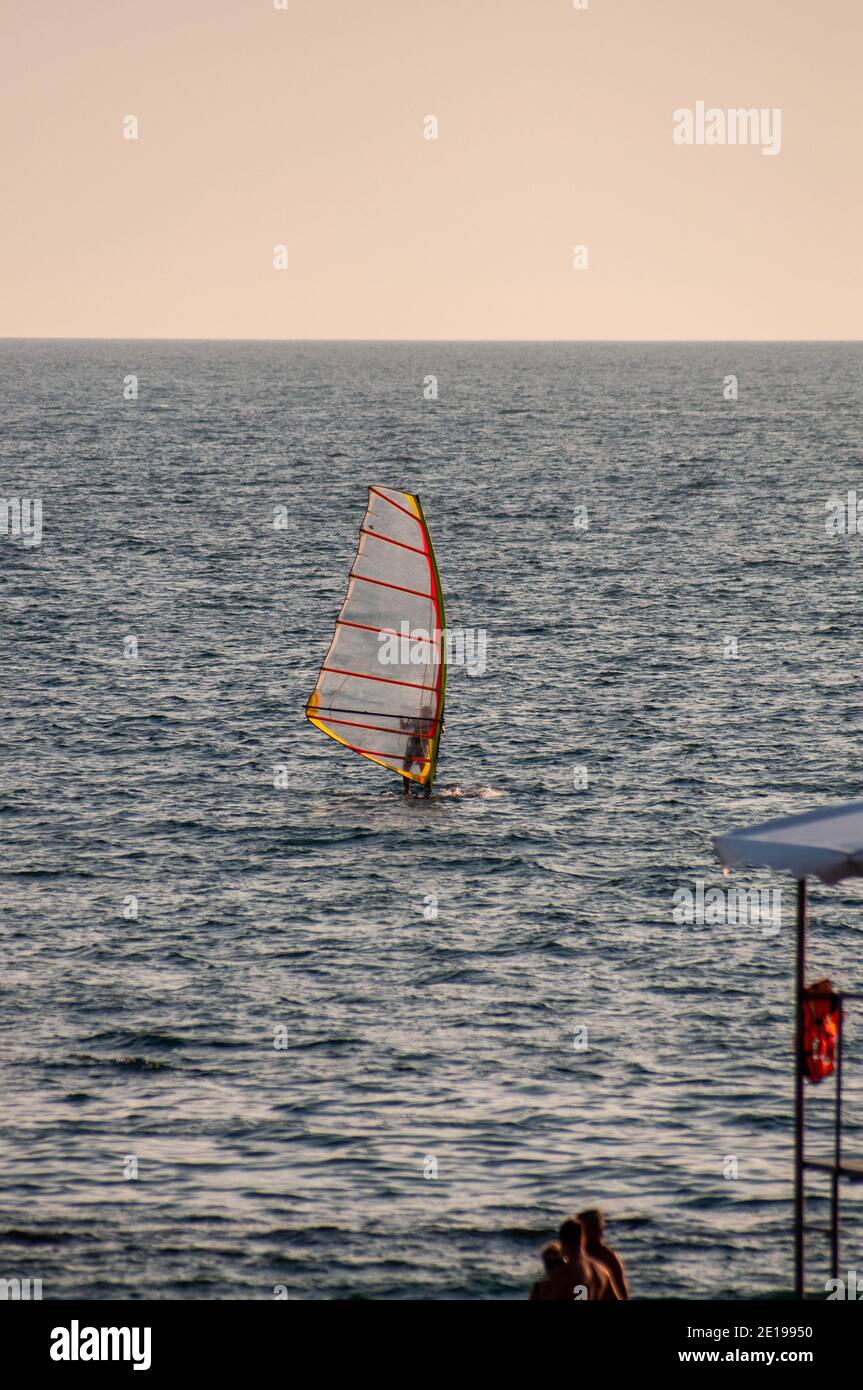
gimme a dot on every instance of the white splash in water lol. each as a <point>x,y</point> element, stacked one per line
<point>484,793</point>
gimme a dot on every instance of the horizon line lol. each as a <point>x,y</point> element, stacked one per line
<point>117,338</point>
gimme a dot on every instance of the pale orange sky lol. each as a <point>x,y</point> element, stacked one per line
<point>305,127</point>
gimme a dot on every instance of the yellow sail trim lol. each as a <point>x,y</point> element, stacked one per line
<point>423,776</point>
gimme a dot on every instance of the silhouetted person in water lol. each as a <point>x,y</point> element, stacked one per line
<point>579,1277</point>
<point>593,1225</point>
<point>416,750</point>
<point>552,1257</point>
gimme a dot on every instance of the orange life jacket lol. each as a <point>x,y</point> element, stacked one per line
<point>820,1030</point>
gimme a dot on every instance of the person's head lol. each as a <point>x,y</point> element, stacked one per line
<point>593,1223</point>
<point>551,1256</point>
<point>570,1237</point>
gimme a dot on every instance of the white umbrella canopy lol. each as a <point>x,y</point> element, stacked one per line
<point>826,843</point>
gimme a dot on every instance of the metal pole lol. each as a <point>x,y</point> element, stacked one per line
<point>799,991</point>
<point>837,1148</point>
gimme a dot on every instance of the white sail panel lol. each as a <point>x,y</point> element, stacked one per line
<point>380,690</point>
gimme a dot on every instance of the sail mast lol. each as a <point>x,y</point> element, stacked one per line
<point>441,630</point>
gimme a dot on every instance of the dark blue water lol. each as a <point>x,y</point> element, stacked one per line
<point>410,1038</point>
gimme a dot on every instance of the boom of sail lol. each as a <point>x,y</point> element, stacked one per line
<point>380,690</point>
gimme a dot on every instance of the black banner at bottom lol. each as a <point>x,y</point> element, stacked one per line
<point>162,1339</point>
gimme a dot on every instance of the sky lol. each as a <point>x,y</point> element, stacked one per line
<point>306,127</point>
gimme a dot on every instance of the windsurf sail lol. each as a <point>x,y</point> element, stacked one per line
<point>381,688</point>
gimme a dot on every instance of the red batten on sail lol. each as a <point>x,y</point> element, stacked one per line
<point>386,663</point>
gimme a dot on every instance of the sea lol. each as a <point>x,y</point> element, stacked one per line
<point>270,1030</point>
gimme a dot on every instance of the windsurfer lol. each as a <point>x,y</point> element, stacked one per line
<point>420,732</point>
<point>415,751</point>
<point>393,617</point>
